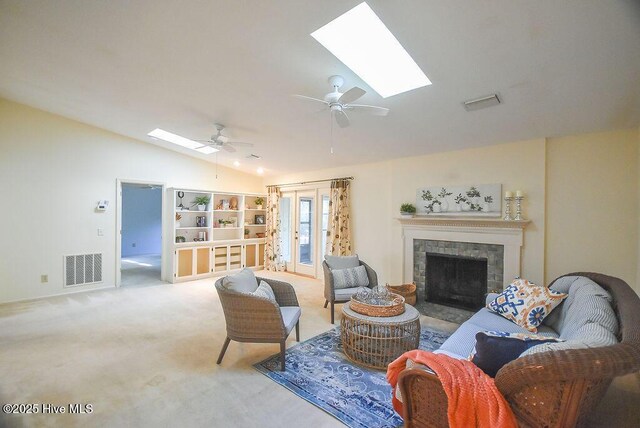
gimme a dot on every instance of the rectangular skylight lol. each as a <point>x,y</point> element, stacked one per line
<point>363,43</point>
<point>181,141</point>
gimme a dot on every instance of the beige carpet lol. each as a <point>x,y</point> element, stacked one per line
<point>146,357</point>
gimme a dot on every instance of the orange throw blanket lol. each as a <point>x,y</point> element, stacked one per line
<point>474,400</point>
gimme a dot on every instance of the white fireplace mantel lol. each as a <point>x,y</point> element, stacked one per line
<point>510,234</point>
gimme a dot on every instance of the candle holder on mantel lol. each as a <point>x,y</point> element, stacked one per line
<point>507,208</point>
<point>519,208</point>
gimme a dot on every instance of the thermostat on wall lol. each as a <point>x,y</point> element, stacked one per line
<point>102,205</point>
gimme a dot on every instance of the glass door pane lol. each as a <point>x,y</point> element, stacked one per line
<point>325,223</point>
<point>305,228</point>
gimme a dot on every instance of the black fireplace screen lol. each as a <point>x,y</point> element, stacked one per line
<point>457,281</point>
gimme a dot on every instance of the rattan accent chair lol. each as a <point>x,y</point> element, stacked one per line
<point>547,389</point>
<point>330,291</point>
<point>258,320</point>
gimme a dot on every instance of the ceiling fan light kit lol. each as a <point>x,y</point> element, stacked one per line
<point>220,141</point>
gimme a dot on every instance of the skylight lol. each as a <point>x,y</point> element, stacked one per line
<point>363,43</point>
<point>181,141</point>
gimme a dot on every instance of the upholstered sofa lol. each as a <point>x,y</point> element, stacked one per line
<point>553,384</point>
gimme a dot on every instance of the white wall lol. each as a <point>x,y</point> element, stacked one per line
<point>141,220</point>
<point>53,171</point>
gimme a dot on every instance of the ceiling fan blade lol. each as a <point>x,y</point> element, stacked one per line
<point>341,118</point>
<point>375,110</point>
<point>228,148</point>
<point>351,95</point>
<point>306,98</point>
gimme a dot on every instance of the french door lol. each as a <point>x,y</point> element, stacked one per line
<point>303,224</point>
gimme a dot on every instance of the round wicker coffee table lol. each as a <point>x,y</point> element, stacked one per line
<point>377,341</point>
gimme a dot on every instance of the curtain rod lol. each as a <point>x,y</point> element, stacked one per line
<point>302,183</point>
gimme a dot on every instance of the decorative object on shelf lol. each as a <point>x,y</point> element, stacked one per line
<point>519,198</point>
<point>233,203</point>
<point>259,219</point>
<point>469,200</point>
<point>224,223</point>
<point>408,291</point>
<point>260,234</point>
<point>259,201</point>
<point>201,221</point>
<point>202,236</point>
<point>234,221</point>
<point>246,233</point>
<point>508,197</point>
<point>225,204</point>
<point>178,218</point>
<point>180,239</point>
<point>407,210</point>
<point>181,195</point>
<point>201,202</point>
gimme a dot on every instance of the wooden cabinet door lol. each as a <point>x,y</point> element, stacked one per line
<point>250,255</point>
<point>184,262</point>
<point>261,254</point>
<point>203,260</point>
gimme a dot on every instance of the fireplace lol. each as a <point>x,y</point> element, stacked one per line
<point>455,280</point>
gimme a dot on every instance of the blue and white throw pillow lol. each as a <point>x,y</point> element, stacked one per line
<point>350,277</point>
<point>526,303</point>
<point>494,349</point>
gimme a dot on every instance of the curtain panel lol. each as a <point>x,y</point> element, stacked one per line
<point>339,230</point>
<point>272,255</point>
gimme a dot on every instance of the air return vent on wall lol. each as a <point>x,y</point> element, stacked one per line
<point>82,269</point>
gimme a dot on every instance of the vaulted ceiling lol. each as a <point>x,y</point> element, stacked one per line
<point>561,67</point>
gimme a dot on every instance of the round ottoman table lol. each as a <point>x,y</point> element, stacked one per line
<point>377,341</point>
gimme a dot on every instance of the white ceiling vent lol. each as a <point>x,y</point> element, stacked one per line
<point>82,269</point>
<point>482,102</point>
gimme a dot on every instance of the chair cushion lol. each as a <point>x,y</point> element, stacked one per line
<point>243,282</point>
<point>526,303</point>
<point>350,277</point>
<point>494,349</point>
<point>345,294</point>
<point>265,291</point>
<point>290,316</point>
<point>342,262</point>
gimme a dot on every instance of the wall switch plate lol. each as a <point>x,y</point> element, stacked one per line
<point>100,232</point>
<point>44,278</point>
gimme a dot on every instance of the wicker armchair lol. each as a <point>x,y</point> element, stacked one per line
<point>330,291</point>
<point>550,389</point>
<point>257,320</point>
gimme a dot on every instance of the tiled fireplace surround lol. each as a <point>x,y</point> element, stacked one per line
<point>500,242</point>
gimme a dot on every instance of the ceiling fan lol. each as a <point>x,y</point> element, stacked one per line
<point>219,141</point>
<point>339,103</point>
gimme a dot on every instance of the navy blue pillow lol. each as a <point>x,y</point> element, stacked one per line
<point>494,349</point>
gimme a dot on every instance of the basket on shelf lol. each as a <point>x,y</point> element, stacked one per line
<point>393,308</point>
<point>408,291</point>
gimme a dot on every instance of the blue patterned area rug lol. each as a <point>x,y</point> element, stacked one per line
<point>319,372</point>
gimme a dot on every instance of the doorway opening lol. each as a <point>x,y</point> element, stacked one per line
<point>140,234</point>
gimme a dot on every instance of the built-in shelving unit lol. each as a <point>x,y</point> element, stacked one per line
<point>225,235</point>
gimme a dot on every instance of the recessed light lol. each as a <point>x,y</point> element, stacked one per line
<point>260,170</point>
<point>236,163</point>
<point>181,141</point>
<point>363,43</point>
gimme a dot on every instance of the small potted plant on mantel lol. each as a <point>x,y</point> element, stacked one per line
<point>201,202</point>
<point>407,210</point>
<point>259,201</point>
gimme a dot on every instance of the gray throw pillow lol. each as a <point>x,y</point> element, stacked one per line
<point>350,277</point>
<point>264,290</point>
<point>243,282</point>
<point>342,262</point>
